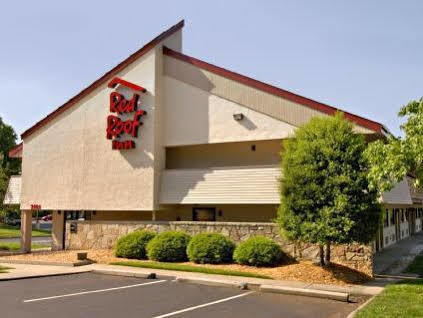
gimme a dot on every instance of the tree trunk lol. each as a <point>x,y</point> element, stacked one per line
<point>327,253</point>
<point>322,255</point>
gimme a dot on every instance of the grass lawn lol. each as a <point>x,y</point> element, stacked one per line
<point>8,231</point>
<point>403,299</point>
<point>189,268</point>
<point>4,269</point>
<point>16,246</point>
<point>416,267</point>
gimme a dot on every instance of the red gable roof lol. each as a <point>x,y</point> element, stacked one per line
<point>370,124</point>
<point>15,150</point>
<point>145,49</point>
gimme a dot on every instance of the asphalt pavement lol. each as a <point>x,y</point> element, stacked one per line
<point>96,295</point>
<point>35,239</point>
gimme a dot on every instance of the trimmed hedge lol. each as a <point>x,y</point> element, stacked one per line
<point>210,248</point>
<point>133,244</point>
<point>258,251</point>
<point>169,246</point>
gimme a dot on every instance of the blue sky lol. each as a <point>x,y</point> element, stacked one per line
<point>365,57</point>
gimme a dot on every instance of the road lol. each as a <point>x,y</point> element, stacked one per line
<point>95,295</point>
<point>35,239</point>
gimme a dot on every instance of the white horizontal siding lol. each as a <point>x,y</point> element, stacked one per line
<point>400,194</point>
<point>234,185</point>
<point>13,193</point>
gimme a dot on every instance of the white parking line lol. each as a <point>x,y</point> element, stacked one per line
<point>93,291</point>
<point>203,305</point>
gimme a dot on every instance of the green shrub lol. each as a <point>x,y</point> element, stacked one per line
<point>210,248</point>
<point>258,251</point>
<point>133,244</point>
<point>169,246</point>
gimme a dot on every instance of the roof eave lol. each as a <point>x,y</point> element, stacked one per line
<point>103,79</point>
<point>327,109</point>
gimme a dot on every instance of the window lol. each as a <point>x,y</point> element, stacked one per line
<point>386,220</point>
<point>204,214</point>
<point>386,240</point>
<point>393,216</point>
<point>402,215</point>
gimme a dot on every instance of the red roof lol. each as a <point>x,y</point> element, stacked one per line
<point>145,49</point>
<point>15,150</point>
<point>370,124</point>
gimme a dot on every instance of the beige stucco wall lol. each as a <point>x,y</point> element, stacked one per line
<point>69,164</point>
<point>224,154</point>
<point>265,103</point>
<point>195,116</point>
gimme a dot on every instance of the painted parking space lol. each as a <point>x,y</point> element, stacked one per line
<point>95,295</point>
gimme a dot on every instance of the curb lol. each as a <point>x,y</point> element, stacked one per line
<point>42,275</point>
<point>305,292</point>
<point>79,263</point>
<point>316,293</point>
<point>354,312</point>
<point>213,282</point>
<point>398,276</point>
<point>131,274</point>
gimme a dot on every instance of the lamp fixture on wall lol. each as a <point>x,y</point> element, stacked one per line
<point>238,116</point>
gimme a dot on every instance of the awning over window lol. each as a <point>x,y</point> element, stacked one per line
<point>230,185</point>
<point>13,193</point>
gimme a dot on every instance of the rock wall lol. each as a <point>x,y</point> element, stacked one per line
<point>104,234</point>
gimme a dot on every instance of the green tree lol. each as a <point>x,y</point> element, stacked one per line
<point>325,196</point>
<point>393,158</point>
<point>8,139</point>
<point>8,166</point>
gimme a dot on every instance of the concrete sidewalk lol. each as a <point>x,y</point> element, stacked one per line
<point>21,271</point>
<point>394,259</point>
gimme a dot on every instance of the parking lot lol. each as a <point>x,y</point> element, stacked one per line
<point>95,295</point>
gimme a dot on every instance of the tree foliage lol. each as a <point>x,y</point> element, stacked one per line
<point>8,166</point>
<point>391,159</point>
<point>8,139</point>
<point>325,196</point>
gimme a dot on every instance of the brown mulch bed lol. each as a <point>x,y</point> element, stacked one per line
<point>304,271</point>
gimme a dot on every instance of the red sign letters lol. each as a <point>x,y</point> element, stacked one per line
<point>121,106</point>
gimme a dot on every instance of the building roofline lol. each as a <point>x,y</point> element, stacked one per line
<point>107,76</point>
<point>15,150</point>
<point>327,109</point>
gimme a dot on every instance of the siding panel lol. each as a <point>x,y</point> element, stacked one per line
<point>400,194</point>
<point>235,185</point>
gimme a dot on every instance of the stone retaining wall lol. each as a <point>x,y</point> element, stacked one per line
<point>103,234</point>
